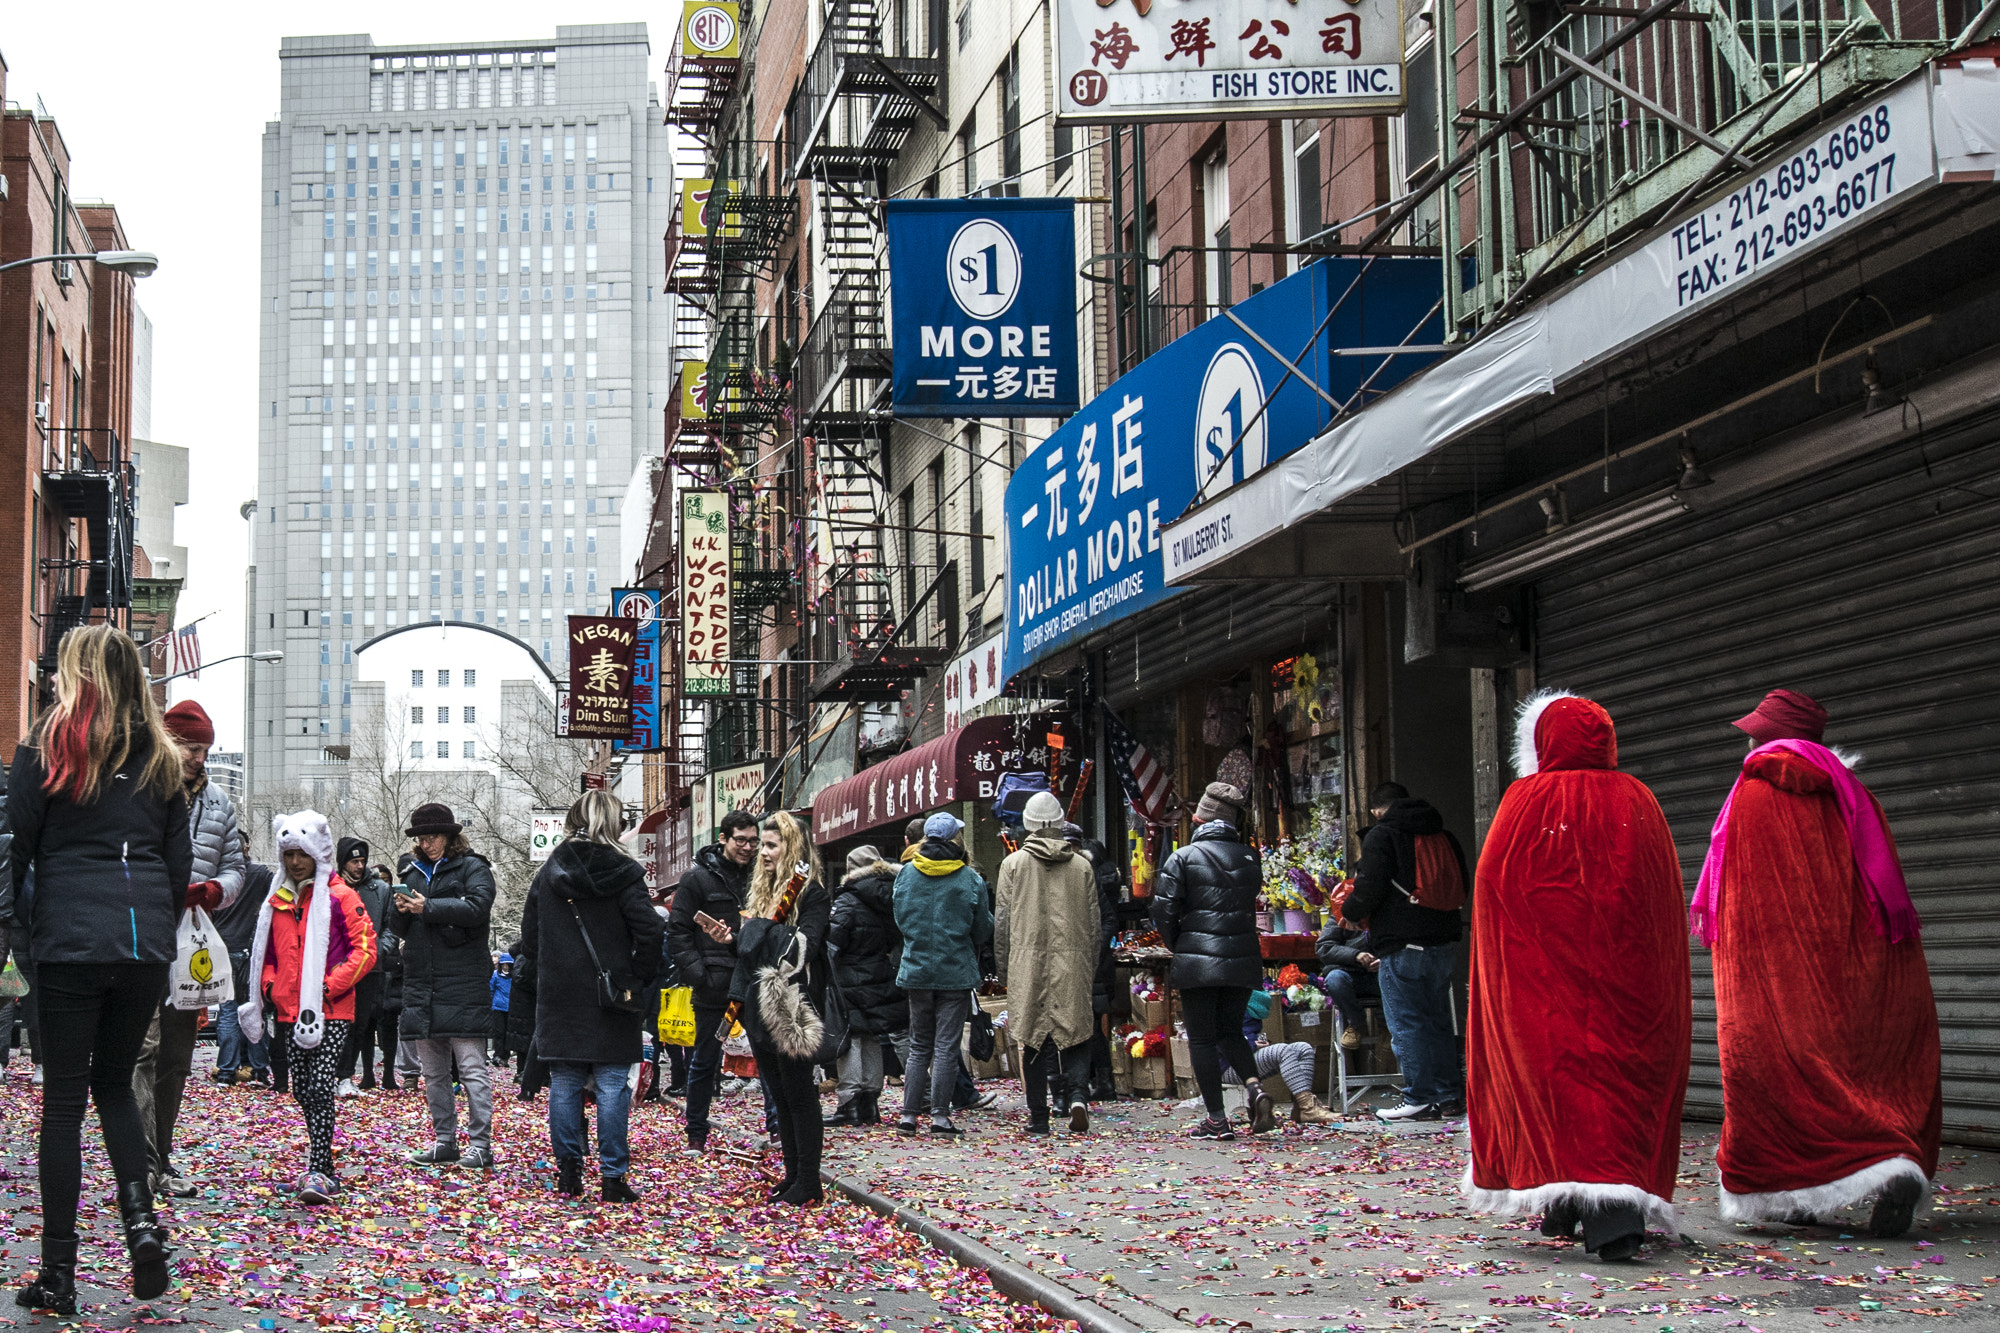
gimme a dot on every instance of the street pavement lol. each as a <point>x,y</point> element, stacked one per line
<point>442,1249</point>
<point>1344,1228</point>
<point>1360,1227</point>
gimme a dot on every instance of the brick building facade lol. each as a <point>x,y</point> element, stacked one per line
<point>65,414</point>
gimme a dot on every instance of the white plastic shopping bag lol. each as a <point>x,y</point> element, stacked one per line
<point>201,974</point>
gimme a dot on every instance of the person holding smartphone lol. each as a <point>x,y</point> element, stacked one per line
<point>443,912</point>
<point>707,909</point>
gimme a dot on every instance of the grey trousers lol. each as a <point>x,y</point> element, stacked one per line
<point>937,1020</point>
<point>159,1081</point>
<point>434,1055</point>
<point>861,1069</point>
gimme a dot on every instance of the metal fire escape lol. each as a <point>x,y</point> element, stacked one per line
<point>91,479</point>
<point>856,107</point>
<point>1578,126</point>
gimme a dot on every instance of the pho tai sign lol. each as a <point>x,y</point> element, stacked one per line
<point>704,593</point>
<point>1121,60</point>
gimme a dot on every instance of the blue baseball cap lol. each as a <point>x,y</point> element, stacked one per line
<point>943,825</point>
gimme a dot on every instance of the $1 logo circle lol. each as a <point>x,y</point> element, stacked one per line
<point>983,269</point>
<point>1232,394</point>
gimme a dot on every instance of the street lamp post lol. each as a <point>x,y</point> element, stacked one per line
<point>271,656</point>
<point>138,263</point>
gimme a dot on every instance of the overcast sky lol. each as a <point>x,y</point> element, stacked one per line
<point>163,108</point>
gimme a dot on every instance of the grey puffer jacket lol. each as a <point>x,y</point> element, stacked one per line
<point>218,851</point>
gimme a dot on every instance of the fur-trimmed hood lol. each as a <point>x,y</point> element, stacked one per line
<point>1556,729</point>
<point>855,876</point>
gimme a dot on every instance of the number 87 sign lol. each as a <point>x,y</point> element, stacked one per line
<point>984,341</point>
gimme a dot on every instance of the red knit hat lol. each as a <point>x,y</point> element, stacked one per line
<point>1785,715</point>
<point>188,723</point>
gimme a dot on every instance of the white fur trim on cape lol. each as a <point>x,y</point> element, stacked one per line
<point>1581,1193</point>
<point>1526,762</point>
<point>1821,1200</point>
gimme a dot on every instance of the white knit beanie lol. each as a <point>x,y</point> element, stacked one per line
<point>1043,812</point>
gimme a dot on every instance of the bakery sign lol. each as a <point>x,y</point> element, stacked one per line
<point>704,557</point>
<point>1124,60</point>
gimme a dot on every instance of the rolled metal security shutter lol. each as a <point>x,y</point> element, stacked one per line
<point>1874,587</point>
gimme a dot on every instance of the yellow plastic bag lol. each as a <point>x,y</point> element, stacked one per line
<point>677,1016</point>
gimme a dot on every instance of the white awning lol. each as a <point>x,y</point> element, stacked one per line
<point>1658,282</point>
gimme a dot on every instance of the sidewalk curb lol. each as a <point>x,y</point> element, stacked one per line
<point>1012,1279</point>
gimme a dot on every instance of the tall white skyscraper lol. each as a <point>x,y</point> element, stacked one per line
<point>461,327</point>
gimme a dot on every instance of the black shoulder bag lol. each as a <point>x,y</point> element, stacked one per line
<point>619,997</point>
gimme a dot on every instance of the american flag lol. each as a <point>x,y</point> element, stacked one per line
<point>1146,784</point>
<point>183,652</point>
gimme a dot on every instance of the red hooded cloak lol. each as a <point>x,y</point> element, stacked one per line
<point>1828,1031</point>
<point>1580,1019</point>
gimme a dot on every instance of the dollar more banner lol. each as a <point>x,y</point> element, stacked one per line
<point>985,309</point>
<point>1084,511</point>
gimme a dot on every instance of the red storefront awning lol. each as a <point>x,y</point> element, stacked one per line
<point>961,765</point>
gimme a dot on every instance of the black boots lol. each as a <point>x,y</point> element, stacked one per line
<point>613,1189</point>
<point>1895,1208</point>
<point>869,1107</point>
<point>54,1287</point>
<point>569,1176</point>
<point>145,1240</point>
<point>848,1113</point>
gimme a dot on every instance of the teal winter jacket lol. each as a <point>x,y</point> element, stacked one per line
<point>944,916</point>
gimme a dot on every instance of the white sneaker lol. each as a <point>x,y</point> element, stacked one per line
<point>1410,1111</point>
<point>347,1089</point>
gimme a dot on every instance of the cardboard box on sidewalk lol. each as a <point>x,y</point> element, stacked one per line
<point>1149,1076</point>
<point>1306,1026</point>
<point>1150,1015</point>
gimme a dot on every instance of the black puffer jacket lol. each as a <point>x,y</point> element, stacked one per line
<point>111,877</point>
<point>1110,889</point>
<point>868,949</point>
<point>587,886</point>
<point>447,963</point>
<point>1389,852</point>
<point>1205,906</point>
<point>715,885</point>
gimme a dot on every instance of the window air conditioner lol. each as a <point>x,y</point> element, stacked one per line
<point>42,411</point>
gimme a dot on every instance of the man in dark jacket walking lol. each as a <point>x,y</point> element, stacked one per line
<point>351,859</point>
<point>1418,948</point>
<point>443,911</point>
<point>866,949</point>
<point>1110,892</point>
<point>1205,907</point>
<point>165,1061</point>
<point>714,886</point>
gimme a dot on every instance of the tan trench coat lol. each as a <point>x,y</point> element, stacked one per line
<point>1046,941</point>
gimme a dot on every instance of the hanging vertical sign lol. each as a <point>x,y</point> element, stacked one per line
<point>562,712</point>
<point>642,607</point>
<point>600,677</point>
<point>705,608</point>
<point>985,314</point>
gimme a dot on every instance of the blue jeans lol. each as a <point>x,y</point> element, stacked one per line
<point>1416,1002</point>
<point>1347,991</point>
<point>614,1104</point>
<point>232,1051</point>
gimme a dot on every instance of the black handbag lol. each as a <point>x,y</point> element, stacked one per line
<point>835,1022</point>
<point>979,1038</point>
<point>618,996</point>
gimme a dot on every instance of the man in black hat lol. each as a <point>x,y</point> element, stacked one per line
<point>443,912</point>
<point>351,859</point>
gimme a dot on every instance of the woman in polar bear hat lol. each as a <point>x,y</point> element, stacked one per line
<point>313,945</point>
<point>1576,1048</point>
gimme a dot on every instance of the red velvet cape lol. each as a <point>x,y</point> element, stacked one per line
<point>1578,1040</point>
<point>1828,1032</point>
